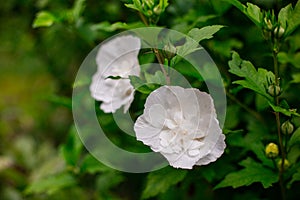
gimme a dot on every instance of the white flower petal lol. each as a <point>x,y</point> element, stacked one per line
<point>117,57</point>
<point>216,152</point>
<point>190,132</point>
<point>118,53</point>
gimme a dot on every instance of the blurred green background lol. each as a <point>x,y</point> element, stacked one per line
<point>37,70</point>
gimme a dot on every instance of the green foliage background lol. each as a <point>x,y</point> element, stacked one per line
<point>43,45</point>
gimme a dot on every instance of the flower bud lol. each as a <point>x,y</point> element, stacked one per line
<point>157,10</point>
<point>272,150</point>
<point>287,127</point>
<point>268,23</point>
<point>286,164</point>
<point>169,51</point>
<point>279,31</point>
<point>149,3</point>
<point>274,90</point>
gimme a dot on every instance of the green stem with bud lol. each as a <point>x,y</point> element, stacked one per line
<point>277,116</point>
<point>158,55</point>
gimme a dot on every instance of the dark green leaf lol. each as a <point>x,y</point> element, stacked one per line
<point>296,177</point>
<point>71,150</point>
<point>287,112</point>
<point>252,11</point>
<point>142,86</point>
<point>92,165</point>
<point>160,181</point>
<point>206,32</point>
<point>295,139</point>
<point>108,27</point>
<point>254,80</point>
<point>252,173</point>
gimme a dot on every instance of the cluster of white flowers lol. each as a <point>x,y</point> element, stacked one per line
<point>179,123</point>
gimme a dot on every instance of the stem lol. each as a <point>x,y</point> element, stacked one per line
<point>161,64</point>
<point>157,54</point>
<point>277,116</point>
<point>252,112</point>
<point>144,20</point>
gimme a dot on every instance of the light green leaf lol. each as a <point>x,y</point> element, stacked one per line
<point>293,58</point>
<point>293,21</point>
<point>296,78</point>
<point>254,80</point>
<point>51,184</point>
<point>252,173</point>
<point>284,15</point>
<point>287,112</point>
<point>163,4</point>
<point>157,78</point>
<point>160,181</point>
<point>206,32</point>
<point>136,5</point>
<point>44,19</point>
<point>78,8</point>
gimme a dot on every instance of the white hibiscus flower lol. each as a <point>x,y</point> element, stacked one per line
<point>181,124</point>
<point>116,58</point>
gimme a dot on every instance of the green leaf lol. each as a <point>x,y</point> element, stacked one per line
<point>292,58</point>
<point>293,19</point>
<point>108,27</point>
<point>51,184</point>
<point>296,177</point>
<point>287,112</point>
<point>295,139</point>
<point>91,165</point>
<point>163,4</point>
<point>252,173</point>
<point>60,100</point>
<point>284,15</point>
<point>142,86</point>
<point>206,32</point>
<point>191,44</point>
<point>160,181</point>
<point>254,80</point>
<point>252,11</point>
<point>136,5</point>
<point>157,78</point>
<point>78,8</point>
<point>44,19</point>
<point>71,150</point>
<point>296,78</point>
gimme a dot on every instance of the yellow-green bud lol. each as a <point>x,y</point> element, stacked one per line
<point>287,127</point>
<point>272,150</point>
<point>274,90</point>
<point>279,32</point>
<point>157,10</point>
<point>286,164</point>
